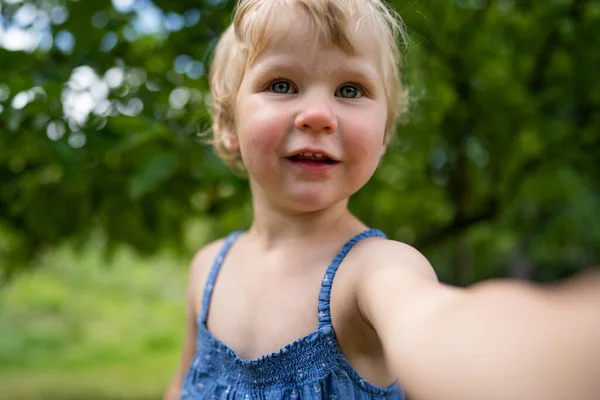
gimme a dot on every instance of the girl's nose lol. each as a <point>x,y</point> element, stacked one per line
<point>317,116</point>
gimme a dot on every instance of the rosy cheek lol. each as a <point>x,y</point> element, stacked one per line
<point>368,137</point>
<point>259,137</point>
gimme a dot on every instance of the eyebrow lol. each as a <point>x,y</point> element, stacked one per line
<point>270,65</point>
<point>282,63</point>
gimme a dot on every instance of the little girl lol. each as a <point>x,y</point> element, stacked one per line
<point>310,303</point>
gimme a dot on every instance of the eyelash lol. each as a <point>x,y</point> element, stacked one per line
<point>363,91</point>
<point>279,79</point>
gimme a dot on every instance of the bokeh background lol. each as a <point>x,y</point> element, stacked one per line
<point>106,189</point>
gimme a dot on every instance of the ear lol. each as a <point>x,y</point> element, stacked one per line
<point>230,142</point>
<point>384,148</point>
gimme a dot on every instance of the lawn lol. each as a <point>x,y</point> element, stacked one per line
<point>83,327</point>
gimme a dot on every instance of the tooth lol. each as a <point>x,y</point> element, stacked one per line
<point>318,155</point>
<point>308,154</point>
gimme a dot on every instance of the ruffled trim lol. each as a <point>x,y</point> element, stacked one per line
<point>305,359</point>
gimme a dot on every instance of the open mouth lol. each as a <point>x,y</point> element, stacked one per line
<point>316,158</point>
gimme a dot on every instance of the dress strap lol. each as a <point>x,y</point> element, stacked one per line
<point>212,276</point>
<point>325,293</point>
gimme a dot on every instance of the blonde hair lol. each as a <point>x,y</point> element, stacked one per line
<point>336,23</point>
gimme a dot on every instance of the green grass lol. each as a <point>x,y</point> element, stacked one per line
<point>82,328</point>
<point>143,377</point>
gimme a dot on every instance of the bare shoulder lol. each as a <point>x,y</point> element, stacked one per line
<point>204,258</point>
<point>393,278</point>
<point>200,267</point>
<point>383,256</point>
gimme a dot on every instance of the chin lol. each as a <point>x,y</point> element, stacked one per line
<point>308,203</point>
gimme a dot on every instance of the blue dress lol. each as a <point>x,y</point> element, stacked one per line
<point>312,367</point>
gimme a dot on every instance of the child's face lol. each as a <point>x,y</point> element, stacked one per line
<point>298,97</point>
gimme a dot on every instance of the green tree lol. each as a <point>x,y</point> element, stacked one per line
<point>495,173</point>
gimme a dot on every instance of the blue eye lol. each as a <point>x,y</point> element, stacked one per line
<point>350,92</point>
<point>281,87</point>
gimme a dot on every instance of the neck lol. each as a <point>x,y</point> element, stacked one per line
<point>275,227</point>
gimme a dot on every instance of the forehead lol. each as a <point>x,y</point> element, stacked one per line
<point>295,37</point>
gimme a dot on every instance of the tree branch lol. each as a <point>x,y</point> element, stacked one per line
<point>535,83</point>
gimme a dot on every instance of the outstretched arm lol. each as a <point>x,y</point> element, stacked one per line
<point>495,340</point>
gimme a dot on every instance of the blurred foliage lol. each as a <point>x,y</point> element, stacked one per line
<point>495,174</point>
<point>76,329</point>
